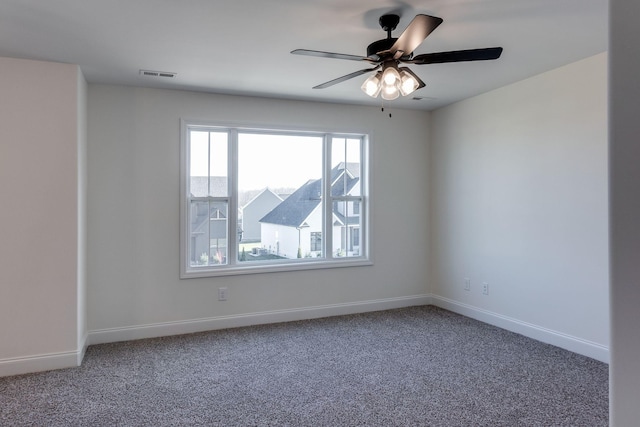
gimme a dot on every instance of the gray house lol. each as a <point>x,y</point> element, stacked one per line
<point>254,210</point>
<point>208,221</point>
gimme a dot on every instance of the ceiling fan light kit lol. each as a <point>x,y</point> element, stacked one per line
<point>391,83</point>
<point>389,53</point>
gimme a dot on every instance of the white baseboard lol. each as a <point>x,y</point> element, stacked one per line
<point>559,339</point>
<point>39,363</point>
<point>46,362</point>
<point>103,336</point>
<point>82,348</point>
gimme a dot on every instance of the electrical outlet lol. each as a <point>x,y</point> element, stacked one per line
<point>485,288</point>
<point>467,284</point>
<point>222,294</point>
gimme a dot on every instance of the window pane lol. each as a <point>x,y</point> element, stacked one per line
<point>346,228</point>
<point>199,230</point>
<point>198,163</point>
<point>279,195</point>
<point>345,156</point>
<point>208,157</point>
<point>218,159</point>
<point>208,233</point>
<point>217,233</point>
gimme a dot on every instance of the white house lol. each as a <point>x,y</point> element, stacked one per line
<point>294,227</point>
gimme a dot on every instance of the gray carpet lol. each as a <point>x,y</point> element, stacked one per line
<point>419,366</point>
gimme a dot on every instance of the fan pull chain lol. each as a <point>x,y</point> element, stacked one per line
<point>382,108</point>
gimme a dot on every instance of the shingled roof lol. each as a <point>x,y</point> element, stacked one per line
<point>352,168</point>
<point>296,208</point>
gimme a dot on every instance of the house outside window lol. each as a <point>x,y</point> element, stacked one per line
<point>256,200</point>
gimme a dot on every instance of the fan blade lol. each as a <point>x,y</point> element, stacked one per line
<point>457,56</point>
<point>344,78</point>
<point>333,55</point>
<point>415,33</point>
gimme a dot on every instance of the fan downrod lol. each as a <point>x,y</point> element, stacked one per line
<point>388,23</point>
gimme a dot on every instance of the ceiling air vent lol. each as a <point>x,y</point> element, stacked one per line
<point>151,73</point>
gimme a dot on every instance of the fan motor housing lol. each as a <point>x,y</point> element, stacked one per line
<point>379,46</point>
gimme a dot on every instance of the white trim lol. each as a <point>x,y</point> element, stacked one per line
<point>327,209</point>
<point>232,195</point>
<point>233,267</point>
<point>184,213</point>
<point>559,339</point>
<point>258,267</point>
<point>82,346</point>
<point>103,336</point>
<point>70,359</point>
<point>40,362</point>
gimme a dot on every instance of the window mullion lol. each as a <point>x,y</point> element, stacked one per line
<point>327,202</point>
<point>364,191</point>
<point>232,173</point>
<point>209,163</point>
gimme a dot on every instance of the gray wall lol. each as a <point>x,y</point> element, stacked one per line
<point>133,247</point>
<point>42,275</point>
<point>624,105</point>
<point>519,199</point>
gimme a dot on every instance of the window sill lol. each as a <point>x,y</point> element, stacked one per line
<point>233,270</point>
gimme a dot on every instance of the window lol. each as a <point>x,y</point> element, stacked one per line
<point>256,200</point>
<point>355,239</point>
<point>316,241</point>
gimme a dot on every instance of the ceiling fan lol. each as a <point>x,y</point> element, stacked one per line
<point>386,55</point>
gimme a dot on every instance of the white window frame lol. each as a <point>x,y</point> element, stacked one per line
<point>234,266</point>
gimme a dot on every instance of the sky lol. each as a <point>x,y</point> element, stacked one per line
<point>277,161</point>
<point>274,161</point>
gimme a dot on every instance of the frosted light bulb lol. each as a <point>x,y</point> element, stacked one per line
<point>390,75</point>
<point>409,84</point>
<point>390,92</point>
<point>371,86</point>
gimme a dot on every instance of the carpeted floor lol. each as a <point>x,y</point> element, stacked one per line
<point>418,366</point>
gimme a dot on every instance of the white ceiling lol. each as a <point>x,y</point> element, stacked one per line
<point>242,46</point>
